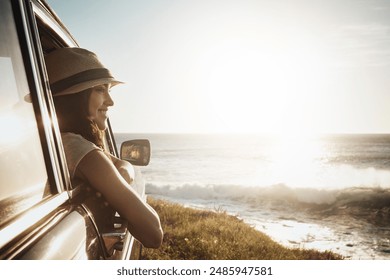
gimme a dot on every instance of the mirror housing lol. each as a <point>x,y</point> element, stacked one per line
<point>137,152</point>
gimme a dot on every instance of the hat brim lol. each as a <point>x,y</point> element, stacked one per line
<point>88,84</point>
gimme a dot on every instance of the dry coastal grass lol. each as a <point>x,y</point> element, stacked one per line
<point>191,234</point>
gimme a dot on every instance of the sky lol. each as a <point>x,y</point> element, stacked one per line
<point>241,66</point>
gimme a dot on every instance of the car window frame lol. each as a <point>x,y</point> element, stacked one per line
<point>30,217</point>
<point>35,70</point>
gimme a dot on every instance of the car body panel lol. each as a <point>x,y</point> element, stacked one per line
<point>59,218</point>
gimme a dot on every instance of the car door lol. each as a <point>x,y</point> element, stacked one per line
<point>35,207</point>
<point>43,215</point>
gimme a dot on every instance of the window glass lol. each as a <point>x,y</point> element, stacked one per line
<point>23,177</point>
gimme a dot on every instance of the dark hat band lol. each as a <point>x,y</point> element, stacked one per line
<point>85,76</point>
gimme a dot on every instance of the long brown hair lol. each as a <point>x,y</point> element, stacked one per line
<point>72,114</point>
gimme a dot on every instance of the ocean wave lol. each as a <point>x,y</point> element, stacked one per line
<point>355,196</point>
<point>309,181</point>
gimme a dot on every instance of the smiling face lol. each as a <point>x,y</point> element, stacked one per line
<point>98,104</point>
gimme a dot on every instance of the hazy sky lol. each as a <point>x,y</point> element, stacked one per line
<point>283,66</point>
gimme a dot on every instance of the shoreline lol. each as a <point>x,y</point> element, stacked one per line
<point>217,235</point>
<point>342,234</point>
<point>320,236</point>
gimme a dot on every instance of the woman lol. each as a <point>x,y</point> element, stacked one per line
<point>80,85</point>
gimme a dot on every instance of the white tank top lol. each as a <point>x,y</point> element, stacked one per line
<point>76,148</point>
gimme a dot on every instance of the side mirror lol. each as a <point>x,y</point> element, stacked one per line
<point>137,152</point>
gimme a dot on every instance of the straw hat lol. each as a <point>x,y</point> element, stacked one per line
<point>72,70</point>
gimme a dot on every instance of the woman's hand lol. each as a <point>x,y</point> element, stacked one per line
<point>126,170</point>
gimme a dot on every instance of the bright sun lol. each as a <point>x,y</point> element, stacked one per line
<point>265,90</point>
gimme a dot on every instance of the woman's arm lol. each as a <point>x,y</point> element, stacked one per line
<point>100,172</point>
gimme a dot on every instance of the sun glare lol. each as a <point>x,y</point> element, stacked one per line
<point>296,160</point>
<point>265,90</point>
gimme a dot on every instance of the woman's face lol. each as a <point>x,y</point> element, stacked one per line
<point>98,104</point>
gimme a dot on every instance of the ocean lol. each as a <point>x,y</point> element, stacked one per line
<point>330,192</point>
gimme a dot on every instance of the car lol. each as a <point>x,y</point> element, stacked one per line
<point>43,213</point>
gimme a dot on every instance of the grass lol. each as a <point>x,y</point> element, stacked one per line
<point>191,234</point>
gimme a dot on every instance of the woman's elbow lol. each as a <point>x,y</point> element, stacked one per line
<point>155,239</point>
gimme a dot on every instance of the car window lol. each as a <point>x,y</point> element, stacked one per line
<point>23,177</point>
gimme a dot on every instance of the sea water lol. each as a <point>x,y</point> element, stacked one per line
<point>328,192</point>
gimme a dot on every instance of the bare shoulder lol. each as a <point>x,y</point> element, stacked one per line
<point>95,163</point>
